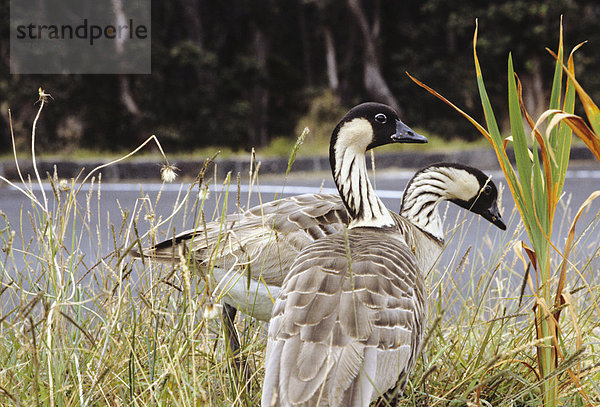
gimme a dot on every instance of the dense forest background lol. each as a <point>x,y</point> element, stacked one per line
<point>241,73</point>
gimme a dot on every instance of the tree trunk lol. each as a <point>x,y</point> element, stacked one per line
<point>192,14</point>
<point>306,48</point>
<point>260,93</point>
<point>124,90</point>
<point>332,71</point>
<point>533,86</point>
<point>127,97</point>
<point>349,51</point>
<point>373,80</point>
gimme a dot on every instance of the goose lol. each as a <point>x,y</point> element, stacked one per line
<point>364,116</point>
<point>348,320</point>
<point>254,250</point>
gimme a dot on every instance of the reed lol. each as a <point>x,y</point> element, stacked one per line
<point>536,187</point>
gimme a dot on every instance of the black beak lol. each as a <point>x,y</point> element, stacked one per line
<point>493,215</point>
<point>405,134</point>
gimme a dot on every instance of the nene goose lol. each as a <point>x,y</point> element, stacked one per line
<point>297,221</point>
<point>348,320</point>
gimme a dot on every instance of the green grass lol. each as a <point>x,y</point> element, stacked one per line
<point>483,348</point>
<point>105,330</point>
<point>278,147</point>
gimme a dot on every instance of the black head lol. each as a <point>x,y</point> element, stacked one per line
<point>370,125</point>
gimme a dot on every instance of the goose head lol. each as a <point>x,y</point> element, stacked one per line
<point>476,192</point>
<point>370,125</point>
<point>365,126</point>
<point>465,186</point>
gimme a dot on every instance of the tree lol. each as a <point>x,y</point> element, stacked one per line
<point>373,79</point>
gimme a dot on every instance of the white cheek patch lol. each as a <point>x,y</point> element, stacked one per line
<point>356,134</point>
<point>465,185</point>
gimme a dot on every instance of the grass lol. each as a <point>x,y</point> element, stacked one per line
<point>481,351</point>
<point>83,324</point>
<point>277,148</point>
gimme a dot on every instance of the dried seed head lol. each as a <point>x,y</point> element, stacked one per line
<point>167,173</point>
<point>211,311</point>
<point>204,193</point>
<point>63,185</point>
<point>43,96</point>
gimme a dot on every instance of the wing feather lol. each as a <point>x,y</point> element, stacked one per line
<point>350,328</point>
<point>268,237</point>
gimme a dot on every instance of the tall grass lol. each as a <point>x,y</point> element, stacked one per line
<point>536,187</point>
<point>82,324</point>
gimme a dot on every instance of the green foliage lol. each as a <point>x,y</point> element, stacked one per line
<point>324,108</point>
<point>208,81</point>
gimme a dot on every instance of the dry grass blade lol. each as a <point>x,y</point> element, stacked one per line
<point>474,122</point>
<point>569,246</point>
<point>581,129</point>
<point>496,365</point>
<point>575,377</point>
<point>591,110</point>
<point>514,186</point>
<point>126,156</point>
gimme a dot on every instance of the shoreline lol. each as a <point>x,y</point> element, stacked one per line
<point>149,170</point>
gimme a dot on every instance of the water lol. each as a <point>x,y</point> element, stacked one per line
<point>91,236</point>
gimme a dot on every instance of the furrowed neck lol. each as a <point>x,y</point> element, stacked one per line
<point>421,199</point>
<point>350,175</point>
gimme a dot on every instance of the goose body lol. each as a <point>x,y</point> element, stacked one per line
<point>347,323</point>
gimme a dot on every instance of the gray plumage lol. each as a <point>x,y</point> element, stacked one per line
<point>347,323</point>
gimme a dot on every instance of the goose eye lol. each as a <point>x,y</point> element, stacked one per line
<point>381,118</point>
<point>487,190</point>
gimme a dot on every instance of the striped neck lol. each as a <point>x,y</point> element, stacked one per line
<point>349,169</point>
<point>421,198</point>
